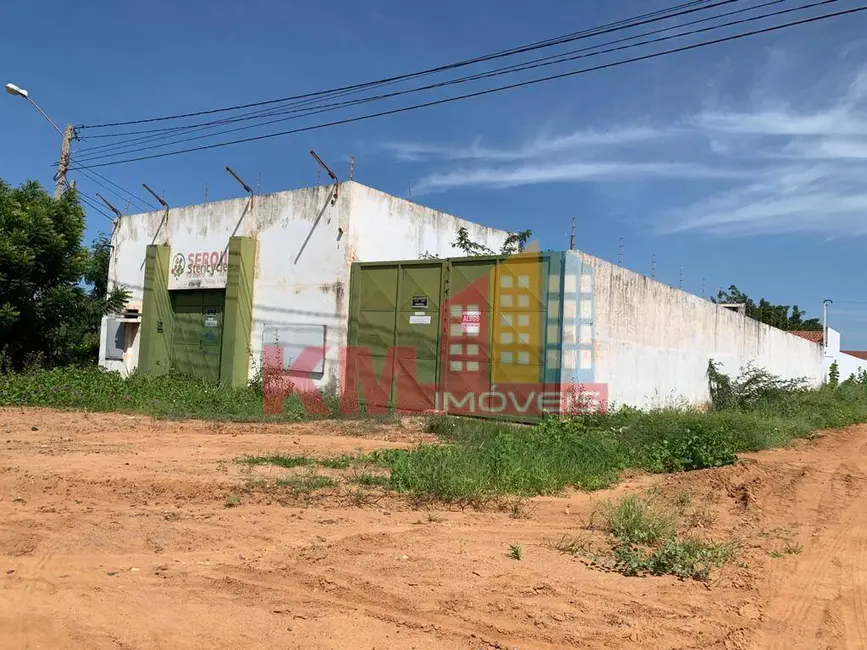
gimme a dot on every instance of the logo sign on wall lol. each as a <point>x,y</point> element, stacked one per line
<point>198,270</point>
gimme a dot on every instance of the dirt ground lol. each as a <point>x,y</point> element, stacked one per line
<point>115,533</point>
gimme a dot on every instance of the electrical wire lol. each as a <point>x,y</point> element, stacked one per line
<point>128,146</point>
<point>90,203</point>
<point>662,14</point>
<point>447,100</point>
<point>546,61</point>
<point>127,196</point>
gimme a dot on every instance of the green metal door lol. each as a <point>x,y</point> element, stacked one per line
<point>198,332</point>
<point>394,334</point>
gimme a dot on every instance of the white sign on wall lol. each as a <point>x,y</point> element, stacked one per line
<point>471,322</point>
<point>198,269</point>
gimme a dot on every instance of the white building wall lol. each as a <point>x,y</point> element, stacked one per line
<point>652,343</point>
<point>305,248</point>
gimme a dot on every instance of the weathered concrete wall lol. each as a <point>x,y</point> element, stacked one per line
<point>385,227</point>
<point>652,343</point>
<point>305,248</point>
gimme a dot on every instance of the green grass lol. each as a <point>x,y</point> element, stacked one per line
<point>643,538</point>
<point>372,480</point>
<point>170,396</point>
<point>479,459</point>
<point>515,552</point>
<point>634,520</point>
<point>278,460</point>
<point>305,483</point>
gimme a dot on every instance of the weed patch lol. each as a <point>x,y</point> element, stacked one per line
<point>643,538</point>
<point>305,483</point>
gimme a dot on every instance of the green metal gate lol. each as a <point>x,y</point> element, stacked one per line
<point>198,332</point>
<point>394,333</point>
<point>472,336</point>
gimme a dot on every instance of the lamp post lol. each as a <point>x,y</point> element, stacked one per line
<point>68,134</point>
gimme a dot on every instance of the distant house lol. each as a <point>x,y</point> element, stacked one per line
<point>849,362</point>
<point>814,337</point>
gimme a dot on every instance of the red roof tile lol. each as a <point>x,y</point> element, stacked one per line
<point>813,337</point>
<point>861,354</point>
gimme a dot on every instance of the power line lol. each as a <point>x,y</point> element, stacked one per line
<point>661,14</point>
<point>489,91</point>
<point>545,61</point>
<point>90,203</point>
<point>127,147</point>
<point>127,195</point>
<point>281,110</point>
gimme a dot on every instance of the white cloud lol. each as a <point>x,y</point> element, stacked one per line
<point>768,168</point>
<point>541,146</point>
<point>534,174</point>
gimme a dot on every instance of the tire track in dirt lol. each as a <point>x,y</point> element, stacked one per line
<point>858,568</point>
<point>796,617</point>
<point>350,593</point>
<point>43,555</point>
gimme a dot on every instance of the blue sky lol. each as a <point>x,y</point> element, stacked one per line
<point>743,163</point>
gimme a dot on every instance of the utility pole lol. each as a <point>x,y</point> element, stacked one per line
<point>653,266</point>
<point>680,280</point>
<point>825,304</point>
<point>63,167</point>
<point>351,168</point>
<point>703,280</point>
<point>68,135</point>
<point>620,252</point>
<point>572,236</point>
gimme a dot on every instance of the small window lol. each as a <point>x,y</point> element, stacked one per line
<point>115,340</point>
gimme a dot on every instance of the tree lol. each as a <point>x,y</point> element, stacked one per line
<point>775,315</point>
<point>53,291</point>
<point>515,242</point>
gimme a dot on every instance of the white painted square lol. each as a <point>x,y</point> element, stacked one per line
<point>506,338</point>
<point>569,360</point>
<point>455,329</point>
<point>456,311</point>
<point>553,309</point>
<point>585,334</point>
<point>506,281</point>
<point>553,334</point>
<point>472,350</point>
<point>505,357</point>
<point>456,366</point>
<point>553,284</point>
<point>586,359</point>
<point>586,309</point>
<point>473,308</point>
<point>524,337</point>
<point>586,283</point>
<point>472,366</point>
<point>569,334</point>
<point>570,309</point>
<point>553,359</point>
<point>506,319</point>
<point>506,300</point>
<point>456,348</point>
<point>523,320</point>
<point>570,284</point>
<point>524,301</point>
<point>524,281</point>
<point>524,358</point>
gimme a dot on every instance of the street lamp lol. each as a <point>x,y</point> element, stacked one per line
<point>67,134</point>
<point>12,89</point>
